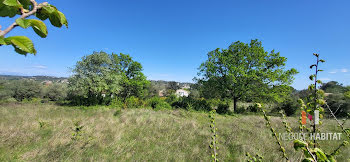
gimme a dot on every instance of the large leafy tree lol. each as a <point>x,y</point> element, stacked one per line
<point>100,76</point>
<point>133,81</point>
<point>93,79</point>
<point>245,71</point>
<point>27,8</point>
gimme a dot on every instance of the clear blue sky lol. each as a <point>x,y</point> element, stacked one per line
<point>172,37</point>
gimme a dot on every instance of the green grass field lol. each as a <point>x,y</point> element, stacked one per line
<point>137,135</point>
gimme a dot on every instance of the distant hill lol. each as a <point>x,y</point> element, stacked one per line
<point>37,78</point>
<point>56,79</point>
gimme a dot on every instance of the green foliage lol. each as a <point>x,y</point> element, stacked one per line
<point>333,87</point>
<point>26,8</point>
<point>5,91</point>
<point>99,77</point>
<point>245,71</point>
<point>55,92</point>
<point>133,102</point>
<point>77,131</point>
<point>117,103</point>
<point>157,103</point>
<point>311,149</point>
<point>289,106</point>
<point>347,94</point>
<point>133,81</point>
<point>214,141</point>
<point>171,99</point>
<point>256,158</point>
<point>26,89</point>
<point>94,76</point>
<point>339,104</point>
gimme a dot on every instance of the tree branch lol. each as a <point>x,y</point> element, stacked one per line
<point>36,6</point>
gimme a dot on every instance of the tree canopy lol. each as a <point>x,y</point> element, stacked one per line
<point>245,71</point>
<point>101,76</point>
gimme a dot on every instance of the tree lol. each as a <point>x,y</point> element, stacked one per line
<point>333,87</point>
<point>245,71</point>
<point>27,8</point>
<point>56,92</point>
<point>133,81</point>
<point>101,76</point>
<point>93,79</point>
<point>5,91</point>
<point>26,89</point>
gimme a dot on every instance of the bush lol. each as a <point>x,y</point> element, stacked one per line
<point>26,89</point>
<point>339,104</point>
<point>223,107</point>
<point>117,103</point>
<point>157,103</point>
<point>133,102</point>
<point>171,99</point>
<point>55,92</point>
<point>289,106</point>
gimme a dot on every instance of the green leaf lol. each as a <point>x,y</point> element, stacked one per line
<point>8,11</point>
<point>311,77</point>
<point>308,160</point>
<point>312,66</point>
<point>42,14</point>
<point>12,3</point>
<point>321,156</point>
<point>331,158</point>
<point>299,144</point>
<point>2,41</point>
<point>55,19</point>
<point>39,27</point>
<point>24,23</point>
<point>22,44</point>
<point>63,19</point>
<point>322,60</point>
<point>25,3</point>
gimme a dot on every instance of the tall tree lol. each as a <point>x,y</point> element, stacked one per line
<point>105,75</point>
<point>27,8</point>
<point>245,71</point>
<point>133,81</point>
<point>93,78</point>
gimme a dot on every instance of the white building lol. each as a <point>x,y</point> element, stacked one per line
<point>181,93</point>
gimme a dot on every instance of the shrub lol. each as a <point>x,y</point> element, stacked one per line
<point>26,89</point>
<point>117,103</point>
<point>163,105</point>
<point>289,106</point>
<point>339,104</point>
<point>55,92</point>
<point>133,102</point>
<point>157,103</point>
<point>223,107</point>
<point>171,99</point>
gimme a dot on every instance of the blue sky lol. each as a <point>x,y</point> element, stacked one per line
<point>172,37</point>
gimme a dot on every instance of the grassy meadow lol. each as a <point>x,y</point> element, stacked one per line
<point>45,132</point>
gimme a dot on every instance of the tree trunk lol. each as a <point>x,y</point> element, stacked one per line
<point>235,103</point>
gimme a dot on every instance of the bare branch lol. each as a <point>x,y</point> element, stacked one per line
<point>312,155</point>
<point>36,6</point>
<point>340,125</point>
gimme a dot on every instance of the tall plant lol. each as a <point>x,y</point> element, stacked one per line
<point>314,106</point>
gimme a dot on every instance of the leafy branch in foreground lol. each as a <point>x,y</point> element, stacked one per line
<point>27,8</point>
